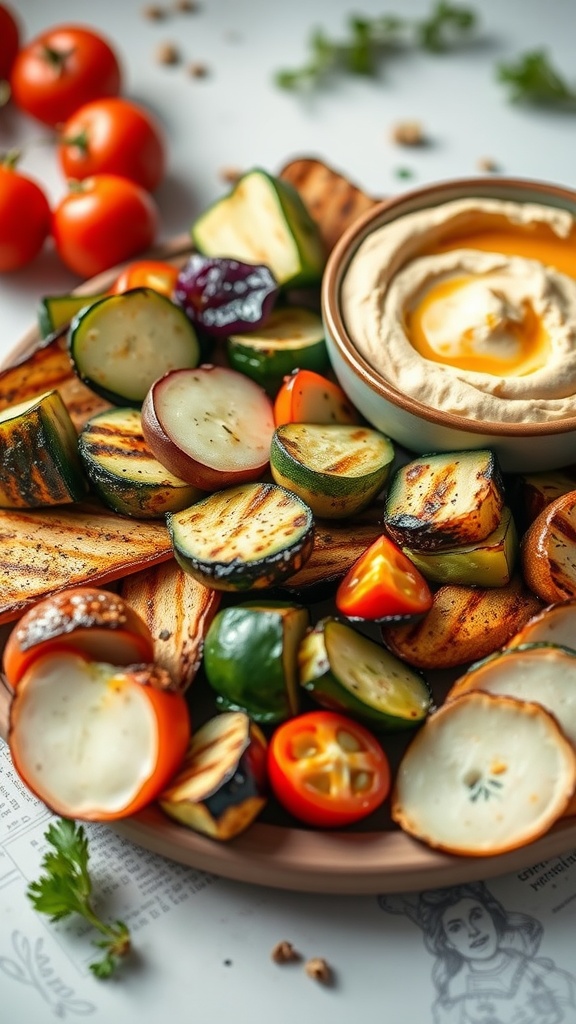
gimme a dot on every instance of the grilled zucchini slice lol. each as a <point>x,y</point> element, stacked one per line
<point>243,538</point>
<point>120,345</point>
<point>56,311</point>
<point>291,338</point>
<point>263,220</point>
<point>487,563</point>
<point>39,455</point>
<point>337,469</point>
<point>346,671</point>
<point>124,472</point>
<point>222,784</point>
<point>444,500</point>
<point>250,658</point>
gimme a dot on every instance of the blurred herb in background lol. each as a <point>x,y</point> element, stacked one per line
<point>532,79</point>
<point>369,39</point>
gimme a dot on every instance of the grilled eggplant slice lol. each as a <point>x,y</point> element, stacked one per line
<point>222,784</point>
<point>338,543</point>
<point>487,563</point>
<point>486,774</point>
<point>337,469</point>
<point>243,538</point>
<point>177,610</point>
<point>250,658</point>
<point>344,670</point>
<point>441,501</point>
<point>123,471</point>
<point>39,455</point>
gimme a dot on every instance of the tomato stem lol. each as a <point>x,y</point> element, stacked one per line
<point>5,92</point>
<point>10,158</point>
<point>80,141</point>
<point>56,58</point>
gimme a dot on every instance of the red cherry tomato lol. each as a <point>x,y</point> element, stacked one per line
<point>155,274</point>
<point>326,769</point>
<point>308,397</point>
<point>62,69</point>
<point>383,583</point>
<point>9,40</point>
<point>113,136</point>
<point>24,218</point>
<point>103,221</point>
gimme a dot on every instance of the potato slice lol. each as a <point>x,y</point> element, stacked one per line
<point>555,624</point>
<point>534,491</point>
<point>549,551</point>
<point>486,774</point>
<point>464,624</point>
<point>331,199</point>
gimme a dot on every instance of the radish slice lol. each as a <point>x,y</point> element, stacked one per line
<point>484,775</point>
<point>94,741</point>
<point>211,426</point>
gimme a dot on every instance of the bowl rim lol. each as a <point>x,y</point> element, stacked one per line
<point>345,248</point>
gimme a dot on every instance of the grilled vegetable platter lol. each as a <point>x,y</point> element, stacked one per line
<point>240,625</point>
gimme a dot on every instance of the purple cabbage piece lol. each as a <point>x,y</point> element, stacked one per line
<point>223,296</point>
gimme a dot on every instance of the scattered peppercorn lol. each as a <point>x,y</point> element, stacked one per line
<point>230,175</point>
<point>197,70</point>
<point>185,6</point>
<point>154,13</point>
<point>487,164</point>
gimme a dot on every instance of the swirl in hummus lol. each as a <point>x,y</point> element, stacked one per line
<point>470,307</point>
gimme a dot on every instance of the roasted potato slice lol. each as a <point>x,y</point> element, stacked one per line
<point>331,199</point>
<point>535,491</point>
<point>463,625</point>
<point>555,624</point>
<point>549,551</point>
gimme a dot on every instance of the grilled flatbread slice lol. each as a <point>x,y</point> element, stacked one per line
<point>48,550</point>
<point>332,200</point>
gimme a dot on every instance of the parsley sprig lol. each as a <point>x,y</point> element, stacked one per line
<point>369,39</point>
<point>532,78</point>
<point>66,888</point>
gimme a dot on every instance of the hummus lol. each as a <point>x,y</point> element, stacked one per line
<point>470,307</point>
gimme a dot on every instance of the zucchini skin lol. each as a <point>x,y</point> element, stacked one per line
<point>248,662</point>
<point>55,311</point>
<point>123,471</point>
<point>279,347</point>
<point>39,456</point>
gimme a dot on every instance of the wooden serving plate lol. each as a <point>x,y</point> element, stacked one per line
<point>373,857</point>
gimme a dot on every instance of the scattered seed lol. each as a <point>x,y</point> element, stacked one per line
<point>230,175</point>
<point>154,13</point>
<point>319,970</point>
<point>167,53</point>
<point>404,172</point>
<point>487,164</point>
<point>185,6</point>
<point>197,70</point>
<point>284,953</point>
<point>408,133</point>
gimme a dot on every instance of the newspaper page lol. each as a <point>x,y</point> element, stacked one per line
<point>500,952</point>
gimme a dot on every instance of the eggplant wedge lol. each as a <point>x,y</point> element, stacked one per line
<point>222,784</point>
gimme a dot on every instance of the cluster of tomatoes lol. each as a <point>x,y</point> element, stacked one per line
<point>111,151</point>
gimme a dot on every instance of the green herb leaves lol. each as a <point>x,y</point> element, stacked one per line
<point>66,887</point>
<point>368,41</point>
<point>533,79</point>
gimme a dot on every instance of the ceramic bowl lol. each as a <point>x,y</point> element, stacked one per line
<point>520,446</point>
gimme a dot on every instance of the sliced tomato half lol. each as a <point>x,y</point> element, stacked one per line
<point>155,274</point>
<point>326,769</point>
<point>308,397</point>
<point>383,583</point>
